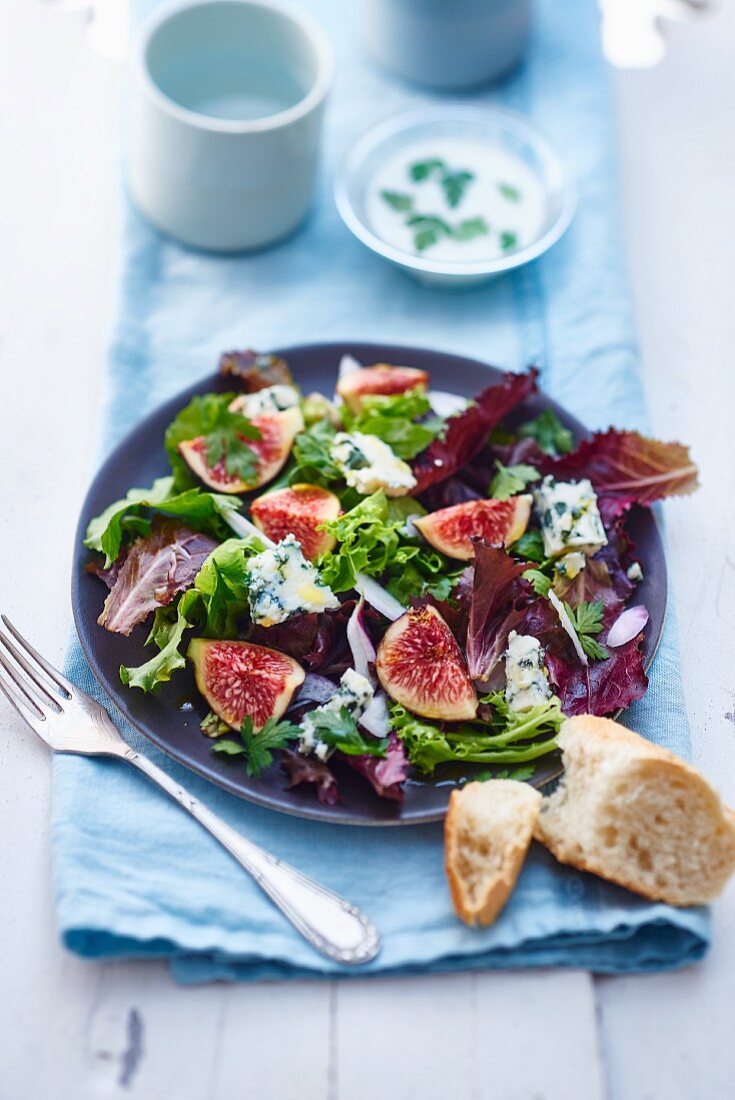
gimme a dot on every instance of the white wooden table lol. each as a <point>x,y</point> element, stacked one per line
<point>71,1029</point>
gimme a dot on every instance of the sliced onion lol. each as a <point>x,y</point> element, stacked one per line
<point>347,365</point>
<point>363,650</point>
<point>244,528</point>
<point>375,719</point>
<point>566,622</point>
<point>627,625</point>
<point>377,596</point>
<point>447,404</point>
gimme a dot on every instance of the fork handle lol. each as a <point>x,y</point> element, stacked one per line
<point>332,925</point>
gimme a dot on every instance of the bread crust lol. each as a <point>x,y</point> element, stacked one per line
<point>644,761</point>
<point>498,889</point>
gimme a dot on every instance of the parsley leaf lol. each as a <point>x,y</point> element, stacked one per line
<point>549,432</point>
<point>469,229</point>
<point>508,240</point>
<point>258,748</point>
<point>587,621</point>
<point>225,434</point>
<point>398,200</point>
<point>422,169</point>
<point>339,730</point>
<point>454,185</point>
<point>509,192</point>
<point>521,774</point>
<point>510,480</point>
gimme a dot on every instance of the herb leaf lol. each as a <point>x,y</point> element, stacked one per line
<point>398,200</point>
<point>530,547</point>
<point>469,229</point>
<point>311,453</point>
<point>225,434</point>
<point>510,480</point>
<point>422,169</point>
<point>587,621</point>
<point>508,240</point>
<point>549,432</point>
<point>509,192</point>
<point>454,185</point>
<point>258,748</point>
<point>339,730</point>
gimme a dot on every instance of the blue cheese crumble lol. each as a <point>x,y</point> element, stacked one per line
<point>283,583</point>
<point>368,464</point>
<point>354,693</point>
<point>269,400</point>
<point>527,681</point>
<point>569,517</point>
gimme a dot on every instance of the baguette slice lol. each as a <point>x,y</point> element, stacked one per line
<point>636,814</point>
<point>487,831</point>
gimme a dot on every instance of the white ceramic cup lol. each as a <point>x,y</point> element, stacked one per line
<point>227,105</point>
<point>446,44</point>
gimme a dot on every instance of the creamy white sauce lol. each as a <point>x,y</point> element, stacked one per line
<point>504,192</point>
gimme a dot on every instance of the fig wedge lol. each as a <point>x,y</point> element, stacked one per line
<point>240,680</point>
<point>277,430</point>
<point>381,379</point>
<point>420,666</point>
<point>298,510</point>
<point>501,522</point>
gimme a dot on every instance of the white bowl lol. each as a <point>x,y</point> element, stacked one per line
<point>492,126</point>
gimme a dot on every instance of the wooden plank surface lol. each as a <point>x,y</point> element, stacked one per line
<point>75,1029</point>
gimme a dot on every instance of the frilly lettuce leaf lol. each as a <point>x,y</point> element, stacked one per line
<point>167,634</point>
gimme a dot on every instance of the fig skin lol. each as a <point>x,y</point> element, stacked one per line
<point>499,521</point>
<point>298,510</point>
<point>420,666</point>
<point>278,431</point>
<point>241,680</point>
<point>380,380</point>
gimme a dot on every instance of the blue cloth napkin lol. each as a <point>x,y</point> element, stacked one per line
<point>134,875</point>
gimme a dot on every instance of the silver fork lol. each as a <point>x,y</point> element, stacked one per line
<point>68,720</point>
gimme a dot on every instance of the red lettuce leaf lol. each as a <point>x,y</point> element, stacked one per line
<point>156,568</point>
<point>387,773</point>
<point>601,688</point>
<point>467,433</point>
<point>307,769</point>
<point>317,641</point>
<point>499,597</point>
<point>628,467</point>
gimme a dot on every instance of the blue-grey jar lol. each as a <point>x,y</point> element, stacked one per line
<point>446,44</point>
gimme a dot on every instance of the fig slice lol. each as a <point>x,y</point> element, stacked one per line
<point>277,430</point>
<point>381,379</point>
<point>499,521</point>
<point>420,665</point>
<point>241,680</point>
<point>298,510</point>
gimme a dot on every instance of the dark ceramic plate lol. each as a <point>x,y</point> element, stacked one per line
<point>170,718</point>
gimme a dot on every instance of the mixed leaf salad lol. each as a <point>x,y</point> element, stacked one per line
<point>393,579</point>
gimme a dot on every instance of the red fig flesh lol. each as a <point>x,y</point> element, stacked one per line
<point>240,680</point>
<point>381,379</point>
<point>277,431</point>
<point>298,510</point>
<point>421,666</point>
<point>499,521</point>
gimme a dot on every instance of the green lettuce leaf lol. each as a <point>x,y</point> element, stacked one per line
<point>392,419</point>
<point>203,511</point>
<point>167,633</point>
